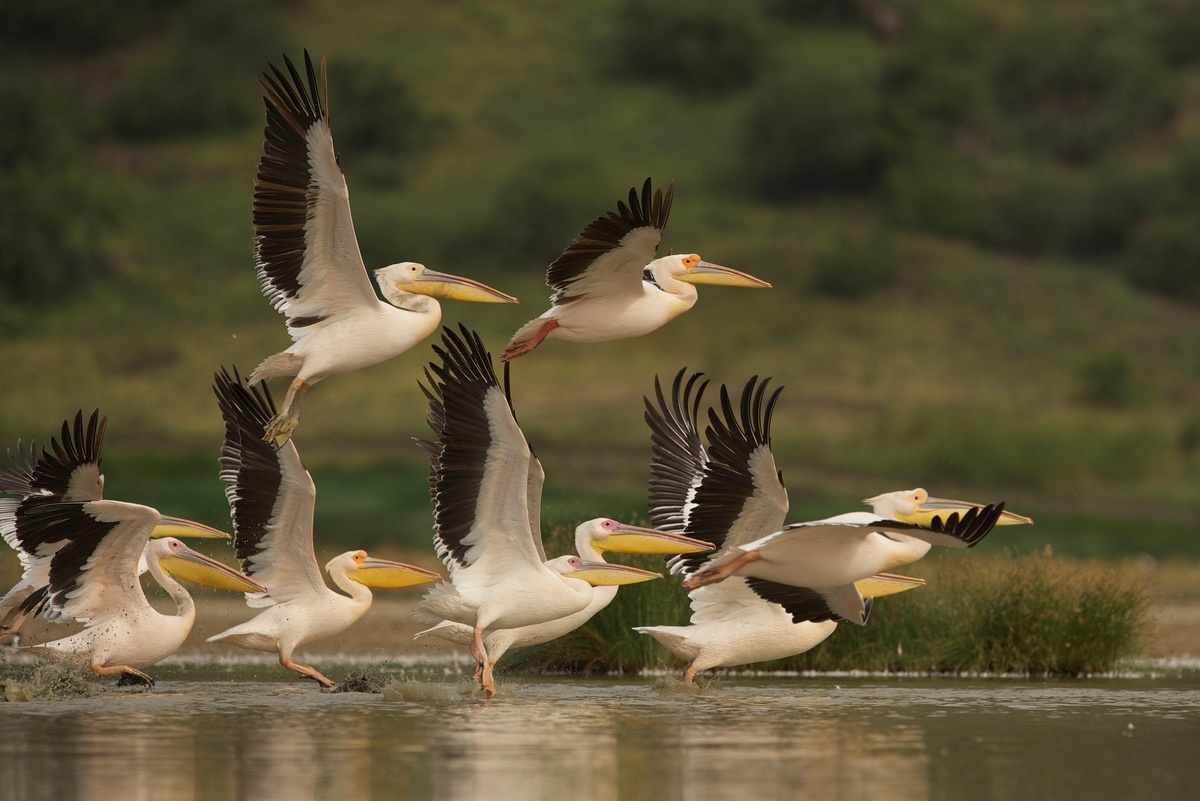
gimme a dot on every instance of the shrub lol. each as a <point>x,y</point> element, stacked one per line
<point>705,46</point>
<point>932,189</point>
<point>72,26</point>
<point>50,237</point>
<point>190,94</point>
<point>1164,257</point>
<point>856,267</point>
<point>812,130</point>
<point>372,109</point>
<point>1107,380</point>
<point>1030,614</point>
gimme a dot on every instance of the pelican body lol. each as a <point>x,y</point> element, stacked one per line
<point>272,498</point>
<point>308,260</point>
<point>731,625</point>
<point>94,580</point>
<point>486,490</point>
<point>609,285</point>
<point>592,539</point>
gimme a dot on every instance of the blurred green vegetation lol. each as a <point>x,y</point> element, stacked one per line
<point>981,222</point>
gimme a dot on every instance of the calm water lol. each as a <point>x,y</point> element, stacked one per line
<point>257,736</point>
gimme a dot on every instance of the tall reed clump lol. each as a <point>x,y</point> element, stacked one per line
<point>1028,614</point>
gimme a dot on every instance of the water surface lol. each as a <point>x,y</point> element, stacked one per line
<point>252,734</point>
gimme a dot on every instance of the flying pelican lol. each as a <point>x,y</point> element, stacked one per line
<point>485,493</point>
<point>608,285</point>
<point>732,493</point>
<point>308,260</point>
<point>70,473</point>
<point>733,625</point>
<point>592,539</point>
<point>271,498</point>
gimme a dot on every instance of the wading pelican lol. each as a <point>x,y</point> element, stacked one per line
<point>485,487</point>
<point>608,285</point>
<point>271,498</point>
<point>308,260</point>
<point>738,494</point>
<point>733,625</point>
<point>71,472</point>
<point>94,580</point>
<point>592,539</point>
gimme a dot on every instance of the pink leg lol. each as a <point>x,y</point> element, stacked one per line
<point>721,572</point>
<point>521,348</point>
<point>484,674</point>
<point>306,671</point>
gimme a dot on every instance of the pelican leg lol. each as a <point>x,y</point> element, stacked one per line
<point>279,429</point>
<point>521,348</point>
<point>306,671</point>
<point>689,675</point>
<point>484,674</point>
<point>126,672</point>
<point>722,572</point>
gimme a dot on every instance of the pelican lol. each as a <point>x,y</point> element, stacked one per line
<point>308,260</point>
<point>732,495</point>
<point>271,498</point>
<point>486,487</point>
<point>93,579</point>
<point>733,625</point>
<point>592,539</point>
<point>69,471</point>
<point>608,285</point>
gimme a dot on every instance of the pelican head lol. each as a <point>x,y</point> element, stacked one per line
<point>182,562</point>
<point>411,277</point>
<point>600,574</point>
<point>372,572</point>
<point>915,506</point>
<point>179,527</point>
<point>609,535</point>
<point>691,269</point>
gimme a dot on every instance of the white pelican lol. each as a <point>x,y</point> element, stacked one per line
<point>608,285</point>
<point>70,473</point>
<point>732,493</point>
<point>484,483</point>
<point>94,580</point>
<point>271,498</point>
<point>732,625</point>
<point>308,260</point>
<point>592,539</point>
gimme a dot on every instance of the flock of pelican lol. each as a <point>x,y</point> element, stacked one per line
<point>760,588</point>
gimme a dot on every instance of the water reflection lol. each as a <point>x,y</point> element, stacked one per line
<point>567,740</point>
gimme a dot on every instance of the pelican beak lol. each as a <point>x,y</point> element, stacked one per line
<point>383,573</point>
<point>197,568</point>
<point>705,273</point>
<point>452,287</point>
<point>943,508</point>
<point>882,584</point>
<point>602,574</point>
<point>635,539</point>
<point>186,529</point>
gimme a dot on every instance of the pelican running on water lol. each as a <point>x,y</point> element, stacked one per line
<point>308,260</point>
<point>94,548</point>
<point>608,284</point>
<point>486,487</point>
<point>592,540</point>
<point>272,497</point>
<point>68,471</point>
<point>744,504</point>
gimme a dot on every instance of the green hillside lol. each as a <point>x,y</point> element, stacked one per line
<point>982,223</point>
